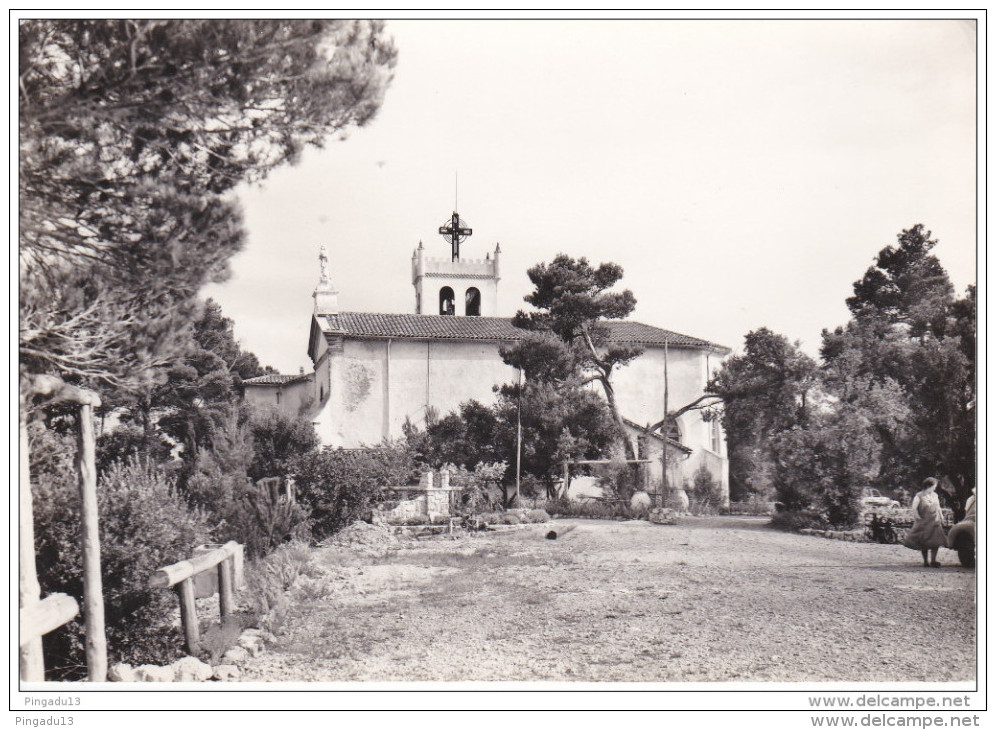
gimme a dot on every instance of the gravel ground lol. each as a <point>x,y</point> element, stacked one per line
<point>710,599</point>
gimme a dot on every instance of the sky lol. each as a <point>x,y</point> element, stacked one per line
<point>743,173</point>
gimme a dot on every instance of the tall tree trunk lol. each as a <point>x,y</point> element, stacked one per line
<point>610,396</point>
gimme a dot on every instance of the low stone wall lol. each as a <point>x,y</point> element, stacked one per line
<point>846,535</point>
<point>428,499</point>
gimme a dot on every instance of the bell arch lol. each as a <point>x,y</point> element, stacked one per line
<point>472,302</point>
<point>447,301</point>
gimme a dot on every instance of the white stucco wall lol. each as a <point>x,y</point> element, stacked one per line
<point>640,395</point>
<point>296,397</point>
<point>640,385</point>
<point>377,383</point>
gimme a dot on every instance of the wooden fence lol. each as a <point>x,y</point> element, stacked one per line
<point>39,617</point>
<point>181,577</point>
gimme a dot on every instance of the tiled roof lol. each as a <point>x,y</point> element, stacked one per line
<point>436,327</point>
<point>275,379</point>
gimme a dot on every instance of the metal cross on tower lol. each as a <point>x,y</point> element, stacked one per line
<point>456,231</point>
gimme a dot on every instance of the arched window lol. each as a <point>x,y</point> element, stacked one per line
<point>446,301</point>
<point>673,433</point>
<point>715,437</point>
<point>472,302</point>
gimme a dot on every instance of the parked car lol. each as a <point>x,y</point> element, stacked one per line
<point>961,537</point>
<point>871,497</point>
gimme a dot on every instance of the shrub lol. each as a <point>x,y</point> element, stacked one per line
<point>240,510</point>
<point>264,521</point>
<point>219,476</point>
<point>594,510</point>
<point>618,479</point>
<point>754,505</point>
<point>269,579</point>
<point>339,486</point>
<point>532,487</point>
<point>481,489</point>
<point>706,492</point>
<point>278,439</point>
<point>131,440</point>
<point>794,521</point>
<point>144,525</point>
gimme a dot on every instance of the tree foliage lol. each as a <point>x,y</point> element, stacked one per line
<point>558,424</point>
<point>765,391</point>
<point>202,387</point>
<point>570,346</point>
<point>909,333</point>
<point>279,439</point>
<point>892,402</point>
<point>132,134</point>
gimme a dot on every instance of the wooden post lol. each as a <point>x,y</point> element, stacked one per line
<point>567,479</point>
<point>226,597</point>
<point>93,596</point>
<point>188,615</point>
<point>32,667</point>
<point>518,439</point>
<point>665,429</point>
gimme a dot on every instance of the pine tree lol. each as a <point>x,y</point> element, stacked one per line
<point>133,133</point>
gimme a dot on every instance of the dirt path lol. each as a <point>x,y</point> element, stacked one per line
<point>710,599</point>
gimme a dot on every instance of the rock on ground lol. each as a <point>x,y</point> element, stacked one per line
<point>153,673</point>
<point>227,673</point>
<point>191,669</point>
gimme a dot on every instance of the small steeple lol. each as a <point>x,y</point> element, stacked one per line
<point>326,295</point>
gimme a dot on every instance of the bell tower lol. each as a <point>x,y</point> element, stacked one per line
<point>454,286</point>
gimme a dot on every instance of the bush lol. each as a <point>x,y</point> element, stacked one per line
<point>129,440</point>
<point>754,505</point>
<point>795,521</point>
<point>263,521</point>
<point>481,489</point>
<point>340,486</point>
<point>706,492</point>
<point>278,439</point>
<point>144,525</point>
<point>240,510</point>
<point>594,510</point>
<point>219,476</point>
<point>269,579</point>
<point>618,479</point>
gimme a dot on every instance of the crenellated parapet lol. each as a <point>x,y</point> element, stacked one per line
<point>460,287</point>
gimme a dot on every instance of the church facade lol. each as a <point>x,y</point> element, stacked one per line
<point>374,371</point>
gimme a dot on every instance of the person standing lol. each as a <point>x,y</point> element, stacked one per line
<point>927,533</point>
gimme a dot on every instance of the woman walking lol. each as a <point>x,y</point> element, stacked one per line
<point>927,533</point>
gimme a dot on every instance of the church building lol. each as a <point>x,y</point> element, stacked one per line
<point>374,371</point>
